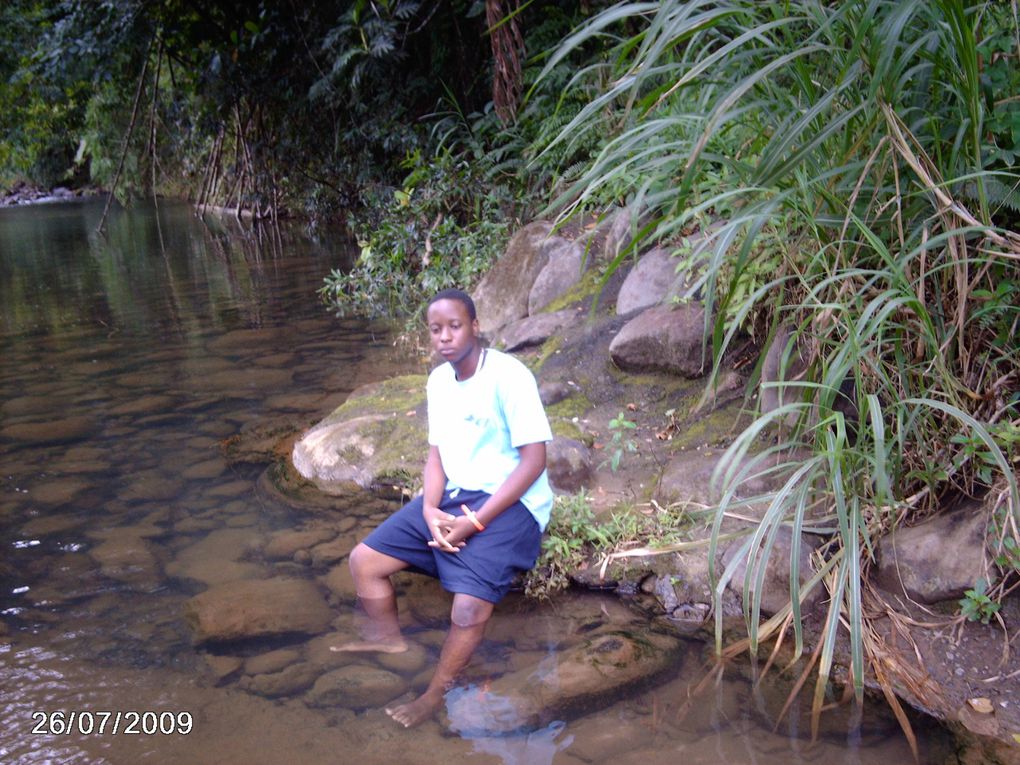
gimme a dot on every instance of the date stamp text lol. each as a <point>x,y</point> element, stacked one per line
<point>107,723</point>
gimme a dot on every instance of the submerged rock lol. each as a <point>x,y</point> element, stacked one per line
<point>255,609</point>
<point>356,686</point>
<point>293,679</point>
<point>50,432</point>
<point>591,675</point>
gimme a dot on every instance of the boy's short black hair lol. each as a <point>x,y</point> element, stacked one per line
<point>455,294</point>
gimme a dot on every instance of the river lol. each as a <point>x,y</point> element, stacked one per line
<point>128,359</point>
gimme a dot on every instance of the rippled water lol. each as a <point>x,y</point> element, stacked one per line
<point>127,361</point>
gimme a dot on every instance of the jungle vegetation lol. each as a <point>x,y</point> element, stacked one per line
<point>858,160</point>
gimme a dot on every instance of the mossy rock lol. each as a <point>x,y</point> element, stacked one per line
<point>377,439</point>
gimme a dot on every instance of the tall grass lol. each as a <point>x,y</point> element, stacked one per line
<point>842,150</point>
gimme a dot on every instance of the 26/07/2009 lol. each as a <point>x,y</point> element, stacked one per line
<point>88,723</point>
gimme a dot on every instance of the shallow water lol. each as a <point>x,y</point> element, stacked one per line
<point>127,361</point>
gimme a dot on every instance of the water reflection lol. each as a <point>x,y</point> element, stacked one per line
<point>128,362</point>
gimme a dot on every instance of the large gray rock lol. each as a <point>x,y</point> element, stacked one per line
<point>936,560</point>
<point>569,463</point>
<point>621,229</point>
<point>356,686</point>
<point>662,339</point>
<point>535,330</point>
<point>377,437</point>
<point>502,295</point>
<point>569,683</point>
<point>257,608</point>
<point>782,373</point>
<point>652,281</point>
<point>567,264</point>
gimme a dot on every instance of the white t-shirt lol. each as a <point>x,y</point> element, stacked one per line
<point>479,423</point>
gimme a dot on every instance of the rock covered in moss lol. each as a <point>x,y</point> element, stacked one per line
<point>377,437</point>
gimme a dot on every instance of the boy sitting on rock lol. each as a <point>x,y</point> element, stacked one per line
<point>485,503</point>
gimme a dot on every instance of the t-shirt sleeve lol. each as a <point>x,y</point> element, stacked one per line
<point>522,407</point>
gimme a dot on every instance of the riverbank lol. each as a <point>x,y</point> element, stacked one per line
<point>623,351</point>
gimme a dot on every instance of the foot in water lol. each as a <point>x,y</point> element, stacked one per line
<point>384,645</point>
<point>417,711</point>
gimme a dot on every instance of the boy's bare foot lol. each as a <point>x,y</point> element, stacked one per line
<point>390,645</point>
<point>417,711</point>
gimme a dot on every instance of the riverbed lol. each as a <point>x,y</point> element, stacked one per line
<point>129,359</point>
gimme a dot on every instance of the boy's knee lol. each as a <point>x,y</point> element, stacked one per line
<point>469,611</point>
<point>359,557</point>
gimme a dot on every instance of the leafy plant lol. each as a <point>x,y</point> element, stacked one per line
<point>621,443</point>
<point>975,605</point>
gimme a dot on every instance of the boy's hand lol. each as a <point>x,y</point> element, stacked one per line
<point>441,524</point>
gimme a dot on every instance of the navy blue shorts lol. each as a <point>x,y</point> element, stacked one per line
<point>485,567</point>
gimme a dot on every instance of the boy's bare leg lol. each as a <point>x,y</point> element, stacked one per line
<point>468,619</point>
<point>377,602</point>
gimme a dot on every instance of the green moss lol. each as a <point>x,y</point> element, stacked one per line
<point>396,395</point>
<point>572,406</point>
<point>589,284</point>
<point>711,428</point>
<point>567,429</point>
<point>549,347</point>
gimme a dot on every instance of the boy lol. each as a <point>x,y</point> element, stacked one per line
<point>485,503</point>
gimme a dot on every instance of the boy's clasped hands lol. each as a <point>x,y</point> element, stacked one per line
<point>449,532</point>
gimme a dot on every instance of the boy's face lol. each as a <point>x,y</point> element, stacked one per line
<point>454,335</point>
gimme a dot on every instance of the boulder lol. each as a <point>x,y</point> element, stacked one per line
<point>340,582</point>
<point>620,230</point>
<point>569,463</point>
<point>936,560</point>
<point>356,686</point>
<point>534,330</point>
<point>256,609</point>
<point>662,339</point>
<point>603,667</point>
<point>287,682</point>
<point>652,281</point>
<point>567,264</point>
<point>378,437</point>
<point>502,295</point>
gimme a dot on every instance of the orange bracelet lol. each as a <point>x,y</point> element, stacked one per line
<point>472,517</point>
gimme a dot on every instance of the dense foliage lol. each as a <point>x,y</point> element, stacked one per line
<point>384,112</point>
<point>859,159</point>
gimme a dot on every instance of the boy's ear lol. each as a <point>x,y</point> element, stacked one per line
<point>476,327</point>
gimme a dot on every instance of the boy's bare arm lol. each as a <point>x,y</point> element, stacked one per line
<point>519,481</point>
<point>434,480</point>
